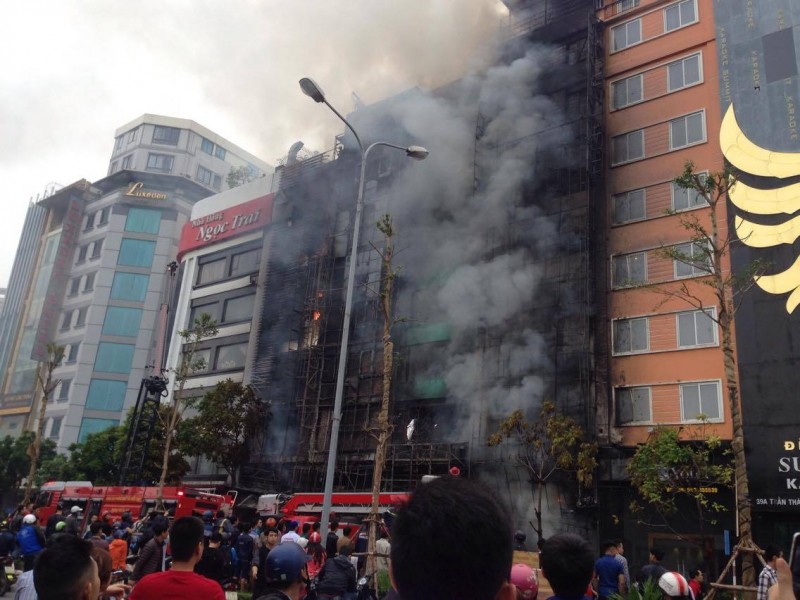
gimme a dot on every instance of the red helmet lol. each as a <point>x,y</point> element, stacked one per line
<point>524,578</point>
<point>271,522</point>
<point>315,537</point>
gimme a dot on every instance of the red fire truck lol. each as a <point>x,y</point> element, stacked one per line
<point>180,501</point>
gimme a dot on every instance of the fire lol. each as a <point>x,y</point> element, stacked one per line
<point>316,315</point>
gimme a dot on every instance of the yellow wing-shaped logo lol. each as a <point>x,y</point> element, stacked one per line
<point>751,158</point>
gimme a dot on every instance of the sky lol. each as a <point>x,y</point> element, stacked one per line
<point>76,70</point>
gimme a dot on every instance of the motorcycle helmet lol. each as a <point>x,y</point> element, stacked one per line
<point>674,584</point>
<point>208,516</point>
<point>524,578</point>
<point>315,538</point>
<point>285,563</point>
<point>29,519</point>
<point>520,536</point>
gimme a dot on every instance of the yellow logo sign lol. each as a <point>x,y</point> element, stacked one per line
<point>751,158</point>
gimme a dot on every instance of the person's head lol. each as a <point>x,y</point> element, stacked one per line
<point>316,526</point>
<point>674,585</point>
<point>383,534</point>
<point>220,514</point>
<point>285,567</point>
<point>292,526</point>
<point>519,536</point>
<point>347,531</point>
<point>272,537</point>
<point>697,574</point>
<point>306,528</point>
<point>65,570</point>
<point>620,546</point>
<point>434,554</point>
<point>334,525</point>
<point>270,523</point>
<point>186,539</point>
<point>215,539</point>
<point>160,530</point>
<point>609,547</point>
<point>346,550</point>
<point>104,567</point>
<point>93,517</point>
<point>76,510</point>
<point>772,552</point>
<point>96,528</point>
<point>567,561</point>
<point>656,555</point>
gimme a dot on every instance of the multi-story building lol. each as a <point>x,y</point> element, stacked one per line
<point>92,274</point>
<point>172,146</point>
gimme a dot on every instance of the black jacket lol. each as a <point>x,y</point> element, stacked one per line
<point>337,577</point>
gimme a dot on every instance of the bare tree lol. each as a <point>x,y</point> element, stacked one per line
<point>204,327</point>
<point>706,252</point>
<point>46,384</point>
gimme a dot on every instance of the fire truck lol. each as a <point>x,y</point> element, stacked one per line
<point>180,501</point>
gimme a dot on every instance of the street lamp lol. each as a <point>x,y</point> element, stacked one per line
<point>311,89</point>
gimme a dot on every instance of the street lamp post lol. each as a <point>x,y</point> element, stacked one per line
<point>311,89</point>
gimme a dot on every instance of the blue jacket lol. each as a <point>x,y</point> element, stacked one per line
<point>30,540</point>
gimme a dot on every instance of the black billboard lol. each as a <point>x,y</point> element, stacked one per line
<point>758,44</point>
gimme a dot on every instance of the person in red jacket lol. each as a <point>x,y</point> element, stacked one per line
<point>186,543</point>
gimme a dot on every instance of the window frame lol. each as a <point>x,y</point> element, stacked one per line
<point>695,313</point>
<point>720,407</point>
<point>126,162</point>
<point>617,399</point>
<point>163,135</point>
<point>153,165</point>
<point>677,5</point>
<point>615,351</point>
<point>204,175</point>
<point>675,188</point>
<point>616,285</point>
<point>627,196</point>
<point>213,346</point>
<point>97,249</point>
<point>627,45</point>
<point>227,256</point>
<point>628,158</point>
<point>685,118</point>
<point>207,142</point>
<point>682,61</point>
<point>88,282</point>
<point>53,421</point>
<point>72,355</point>
<point>63,396</point>
<point>105,213</point>
<point>626,81</point>
<point>696,271</point>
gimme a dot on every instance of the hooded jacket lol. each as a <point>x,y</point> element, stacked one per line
<point>337,577</point>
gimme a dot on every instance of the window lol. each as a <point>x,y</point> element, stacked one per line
<point>113,168</point>
<point>680,15</point>
<point>629,269</point>
<point>114,358</point>
<point>55,427</point>
<point>628,147</point>
<point>63,391</point>
<point>202,360</point>
<point>687,130</point>
<point>122,321</point>
<point>118,144</point>
<point>701,399</point>
<point>143,220</point>
<point>105,394</point>
<point>210,308</point>
<point>204,175</point>
<point>127,162</point>
<point>88,284</point>
<point>628,91</point>
<point>66,320</point>
<point>690,260</point>
<point>245,262</point>
<point>630,206</point>
<point>74,286</point>
<point>81,320</point>
<point>90,426</point>
<point>625,5</point>
<point>220,152</point>
<point>683,73</point>
<point>161,163</point>
<point>207,146</point>
<point>238,309</point>
<point>211,271</point>
<point>72,356</point>
<point>104,216</point>
<point>697,328</point>
<point>136,253</point>
<point>82,254</point>
<point>132,135</point>
<point>630,335</point>
<point>97,248</point>
<point>231,357</point>
<point>685,199</point>
<point>627,34</point>
<point>166,135</point>
<point>633,405</point>
<point>129,286</point>
<point>89,221</point>
<point>216,182</point>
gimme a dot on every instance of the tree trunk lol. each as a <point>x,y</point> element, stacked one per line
<point>36,444</point>
<point>171,423</point>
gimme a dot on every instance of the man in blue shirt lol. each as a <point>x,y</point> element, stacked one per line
<point>609,573</point>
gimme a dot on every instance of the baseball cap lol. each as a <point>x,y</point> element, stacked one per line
<point>75,509</point>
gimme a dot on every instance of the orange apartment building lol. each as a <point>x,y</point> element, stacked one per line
<point>662,109</point>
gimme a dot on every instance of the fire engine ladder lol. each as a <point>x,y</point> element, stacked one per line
<point>140,432</point>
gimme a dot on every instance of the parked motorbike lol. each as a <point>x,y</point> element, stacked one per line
<point>364,590</point>
<point>9,575</point>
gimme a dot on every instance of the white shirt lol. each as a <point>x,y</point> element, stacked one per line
<point>290,536</point>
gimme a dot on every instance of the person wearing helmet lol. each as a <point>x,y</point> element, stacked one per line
<point>73,520</point>
<point>674,585</point>
<point>286,572</point>
<point>524,579</point>
<point>519,541</point>
<point>30,540</point>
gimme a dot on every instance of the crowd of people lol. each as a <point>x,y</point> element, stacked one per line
<point>451,540</point>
